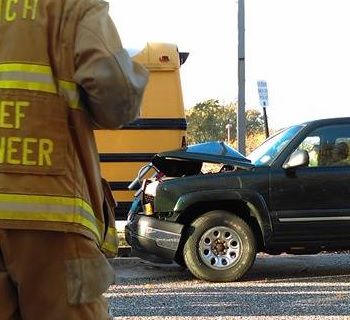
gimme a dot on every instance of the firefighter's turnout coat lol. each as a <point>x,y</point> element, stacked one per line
<point>63,72</point>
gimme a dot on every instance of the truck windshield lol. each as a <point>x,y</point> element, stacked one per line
<point>271,148</point>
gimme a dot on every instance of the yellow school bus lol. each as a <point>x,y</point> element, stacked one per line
<point>160,126</point>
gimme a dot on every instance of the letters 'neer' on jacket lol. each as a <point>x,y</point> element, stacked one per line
<point>63,72</point>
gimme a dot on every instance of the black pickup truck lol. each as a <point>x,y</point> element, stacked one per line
<point>291,194</point>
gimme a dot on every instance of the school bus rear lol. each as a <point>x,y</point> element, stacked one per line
<point>161,125</point>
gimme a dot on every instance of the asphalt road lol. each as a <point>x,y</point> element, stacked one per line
<point>277,287</point>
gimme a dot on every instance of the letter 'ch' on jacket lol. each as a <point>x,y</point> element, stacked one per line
<point>63,73</point>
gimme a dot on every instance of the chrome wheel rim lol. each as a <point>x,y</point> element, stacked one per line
<point>220,248</point>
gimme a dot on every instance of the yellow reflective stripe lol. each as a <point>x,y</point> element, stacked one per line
<point>26,85</point>
<point>71,93</point>
<point>68,85</point>
<point>51,217</point>
<point>49,208</point>
<point>12,67</point>
<point>109,249</point>
<point>110,243</point>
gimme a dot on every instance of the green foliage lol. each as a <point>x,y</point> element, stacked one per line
<point>207,121</point>
<point>254,122</point>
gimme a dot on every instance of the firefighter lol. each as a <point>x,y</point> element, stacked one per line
<point>63,73</point>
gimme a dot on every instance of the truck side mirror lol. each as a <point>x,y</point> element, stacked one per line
<point>299,158</point>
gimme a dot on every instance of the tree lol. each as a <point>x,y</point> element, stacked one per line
<point>254,122</point>
<point>207,122</point>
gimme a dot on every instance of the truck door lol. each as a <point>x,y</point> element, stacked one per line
<point>313,202</point>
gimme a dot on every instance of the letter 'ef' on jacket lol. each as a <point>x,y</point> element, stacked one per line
<point>63,73</point>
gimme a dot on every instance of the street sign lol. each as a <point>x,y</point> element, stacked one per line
<point>263,94</point>
<point>264,101</point>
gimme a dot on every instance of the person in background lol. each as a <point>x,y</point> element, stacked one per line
<point>340,154</point>
<point>314,156</point>
<point>63,73</point>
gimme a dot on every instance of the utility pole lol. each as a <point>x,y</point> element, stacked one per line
<point>241,121</point>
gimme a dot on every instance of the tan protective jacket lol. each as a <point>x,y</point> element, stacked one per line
<point>63,72</point>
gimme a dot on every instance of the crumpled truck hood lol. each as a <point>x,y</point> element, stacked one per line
<point>189,160</point>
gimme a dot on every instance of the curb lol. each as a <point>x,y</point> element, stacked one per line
<point>124,261</point>
<point>124,252</point>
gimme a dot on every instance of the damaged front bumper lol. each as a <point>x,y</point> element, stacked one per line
<point>151,238</point>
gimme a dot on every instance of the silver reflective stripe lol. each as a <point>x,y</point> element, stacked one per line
<point>27,76</point>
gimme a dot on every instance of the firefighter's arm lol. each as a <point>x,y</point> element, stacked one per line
<point>112,84</point>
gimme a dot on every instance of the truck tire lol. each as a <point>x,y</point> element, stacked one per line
<point>220,247</point>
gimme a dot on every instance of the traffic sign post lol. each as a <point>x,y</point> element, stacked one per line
<point>264,102</point>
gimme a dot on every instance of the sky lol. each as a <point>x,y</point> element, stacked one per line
<point>301,48</point>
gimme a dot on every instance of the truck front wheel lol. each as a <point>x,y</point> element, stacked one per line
<point>220,247</point>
